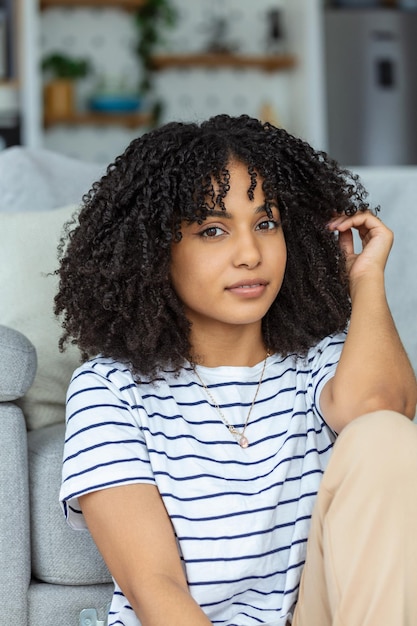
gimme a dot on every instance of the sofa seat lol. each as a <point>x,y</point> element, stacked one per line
<point>69,573</point>
<point>59,555</point>
<point>61,605</point>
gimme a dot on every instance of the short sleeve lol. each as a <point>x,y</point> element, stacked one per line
<point>104,441</point>
<point>323,362</point>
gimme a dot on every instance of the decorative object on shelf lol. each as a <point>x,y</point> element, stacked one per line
<point>10,130</point>
<point>219,42</point>
<point>64,66</point>
<point>62,70</point>
<point>268,114</point>
<point>151,20</point>
<point>115,103</point>
<point>114,95</point>
<point>275,40</point>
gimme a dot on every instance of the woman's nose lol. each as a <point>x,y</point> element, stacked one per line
<point>247,251</point>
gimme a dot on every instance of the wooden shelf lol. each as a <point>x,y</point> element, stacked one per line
<point>270,63</point>
<point>9,82</point>
<point>129,5</point>
<point>128,120</point>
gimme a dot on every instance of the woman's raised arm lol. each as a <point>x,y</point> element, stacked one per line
<point>374,371</point>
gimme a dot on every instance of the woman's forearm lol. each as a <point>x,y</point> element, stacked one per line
<point>161,601</point>
<point>374,371</point>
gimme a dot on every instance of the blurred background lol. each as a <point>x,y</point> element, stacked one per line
<point>83,77</point>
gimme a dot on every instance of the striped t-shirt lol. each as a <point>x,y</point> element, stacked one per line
<point>241,516</point>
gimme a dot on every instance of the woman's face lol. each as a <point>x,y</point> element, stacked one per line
<point>229,269</point>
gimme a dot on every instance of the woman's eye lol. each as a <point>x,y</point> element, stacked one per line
<point>268,225</point>
<point>211,232</point>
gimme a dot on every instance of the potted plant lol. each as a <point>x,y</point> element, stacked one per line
<point>62,70</point>
<point>151,19</point>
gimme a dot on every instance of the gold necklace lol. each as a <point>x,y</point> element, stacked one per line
<point>240,436</point>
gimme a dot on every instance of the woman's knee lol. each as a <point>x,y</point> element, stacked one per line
<point>383,443</point>
<point>379,427</point>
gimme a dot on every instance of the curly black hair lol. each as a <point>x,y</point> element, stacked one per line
<point>115,295</point>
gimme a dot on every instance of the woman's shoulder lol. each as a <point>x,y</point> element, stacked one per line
<point>118,374</point>
<point>103,367</point>
<point>333,342</point>
<point>326,353</point>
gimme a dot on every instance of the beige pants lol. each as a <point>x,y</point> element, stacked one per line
<point>361,566</point>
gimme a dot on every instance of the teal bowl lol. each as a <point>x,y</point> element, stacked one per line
<point>108,103</point>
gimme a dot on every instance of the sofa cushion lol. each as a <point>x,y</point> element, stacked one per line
<point>59,554</point>
<point>41,180</point>
<point>28,254</point>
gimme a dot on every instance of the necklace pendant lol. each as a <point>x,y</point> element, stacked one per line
<point>238,435</point>
<point>243,442</point>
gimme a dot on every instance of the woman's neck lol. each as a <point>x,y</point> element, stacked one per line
<point>235,347</point>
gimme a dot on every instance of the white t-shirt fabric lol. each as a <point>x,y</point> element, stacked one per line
<point>241,516</point>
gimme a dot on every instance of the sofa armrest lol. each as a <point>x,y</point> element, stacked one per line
<point>14,515</point>
<point>17,371</point>
<point>17,364</point>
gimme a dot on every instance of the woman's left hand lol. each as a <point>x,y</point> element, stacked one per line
<point>376,240</point>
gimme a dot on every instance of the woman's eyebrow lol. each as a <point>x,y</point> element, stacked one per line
<point>219,213</point>
<point>263,208</point>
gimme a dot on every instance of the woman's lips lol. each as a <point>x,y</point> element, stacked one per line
<point>252,288</point>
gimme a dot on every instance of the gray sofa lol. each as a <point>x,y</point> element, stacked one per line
<point>49,572</point>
